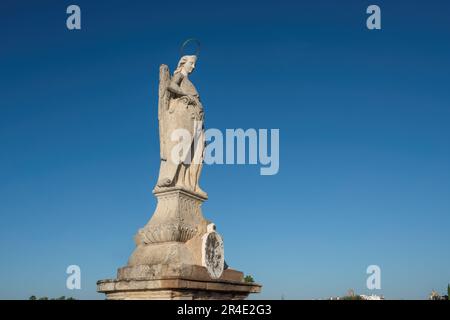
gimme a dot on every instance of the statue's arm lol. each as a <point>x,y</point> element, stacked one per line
<point>174,85</point>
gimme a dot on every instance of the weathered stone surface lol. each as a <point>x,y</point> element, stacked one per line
<point>178,254</point>
<point>213,256</point>
<point>178,217</point>
<point>176,288</point>
<point>180,107</point>
<point>182,270</point>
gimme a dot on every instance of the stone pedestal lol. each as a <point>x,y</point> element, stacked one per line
<point>178,255</point>
<point>175,282</point>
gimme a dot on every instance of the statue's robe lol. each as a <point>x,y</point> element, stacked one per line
<point>179,113</point>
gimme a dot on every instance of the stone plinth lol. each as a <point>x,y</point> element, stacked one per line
<point>175,282</point>
<point>178,255</point>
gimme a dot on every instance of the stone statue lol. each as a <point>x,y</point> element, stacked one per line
<point>179,107</point>
<point>179,254</point>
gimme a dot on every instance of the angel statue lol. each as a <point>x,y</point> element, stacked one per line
<point>179,108</point>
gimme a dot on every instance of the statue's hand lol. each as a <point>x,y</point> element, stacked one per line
<point>190,99</point>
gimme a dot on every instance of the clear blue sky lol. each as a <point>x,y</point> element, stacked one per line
<point>364,140</point>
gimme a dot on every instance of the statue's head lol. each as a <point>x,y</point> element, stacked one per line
<point>186,64</point>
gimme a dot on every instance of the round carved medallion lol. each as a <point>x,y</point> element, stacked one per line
<point>213,254</point>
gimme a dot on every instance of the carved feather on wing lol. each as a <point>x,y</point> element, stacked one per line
<point>163,106</point>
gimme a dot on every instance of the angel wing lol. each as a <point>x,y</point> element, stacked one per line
<point>163,106</point>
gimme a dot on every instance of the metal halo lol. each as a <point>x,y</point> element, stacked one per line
<point>197,52</point>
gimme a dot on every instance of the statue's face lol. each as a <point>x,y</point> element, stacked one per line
<point>189,66</point>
